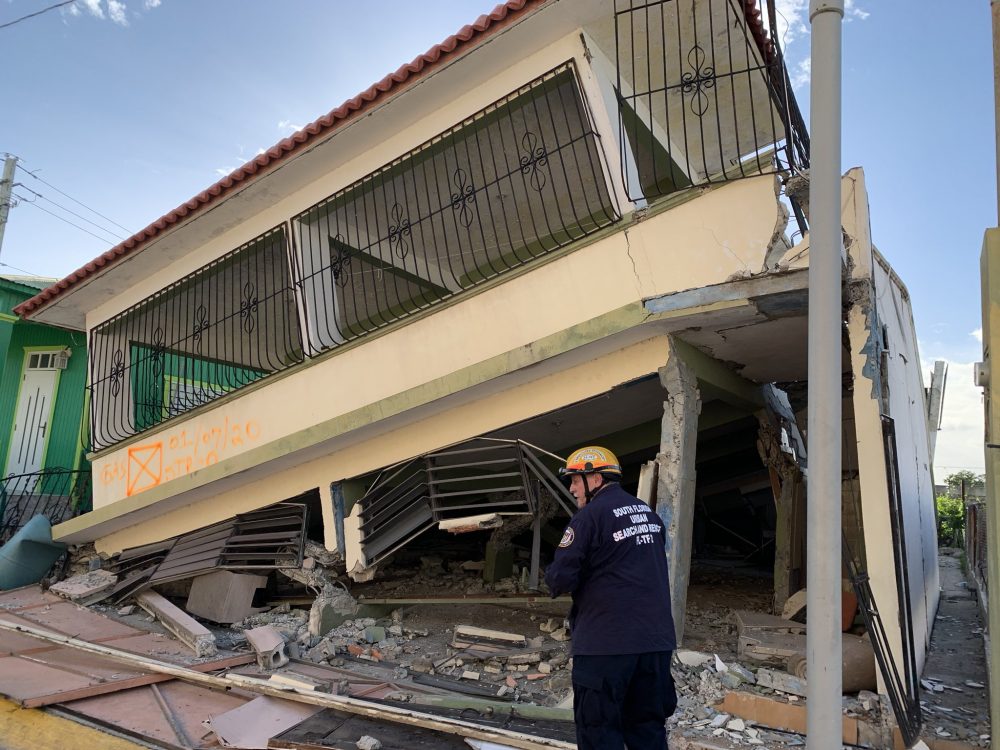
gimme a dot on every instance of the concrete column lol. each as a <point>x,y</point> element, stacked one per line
<point>675,485</point>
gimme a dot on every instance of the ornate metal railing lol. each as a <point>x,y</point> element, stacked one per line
<point>512,182</point>
<point>704,95</point>
<point>58,494</point>
<point>225,326</point>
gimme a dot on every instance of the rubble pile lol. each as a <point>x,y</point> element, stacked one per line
<point>533,666</point>
<point>456,577</point>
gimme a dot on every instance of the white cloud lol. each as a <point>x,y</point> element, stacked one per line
<point>73,10</point>
<point>792,18</point>
<point>94,6</point>
<point>801,73</point>
<point>851,11</point>
<point>150,4</point>
<point>977,335</point>
<point>116,11</point>
<point>289,126</point>
<point>960,440</point>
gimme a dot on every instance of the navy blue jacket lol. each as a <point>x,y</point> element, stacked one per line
<point>613,560</point>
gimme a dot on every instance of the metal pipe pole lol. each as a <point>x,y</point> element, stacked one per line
<point>995,11</point>
<point>823,597</point>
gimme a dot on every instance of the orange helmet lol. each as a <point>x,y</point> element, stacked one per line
<point>592,460</point>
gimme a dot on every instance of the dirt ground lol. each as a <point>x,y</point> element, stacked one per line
<point>954,694</point>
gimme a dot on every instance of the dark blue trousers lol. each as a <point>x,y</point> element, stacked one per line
<point>623,701</point>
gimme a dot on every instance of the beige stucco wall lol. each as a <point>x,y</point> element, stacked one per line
<point>890,307</point>
<point>707,240</point>
<point>579,380</point>
<point>369,144</point>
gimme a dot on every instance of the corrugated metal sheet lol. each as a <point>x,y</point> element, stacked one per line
<point>37,673</point>
<point>263,539</point>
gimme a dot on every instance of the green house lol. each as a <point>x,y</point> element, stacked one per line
<point>43,375</point>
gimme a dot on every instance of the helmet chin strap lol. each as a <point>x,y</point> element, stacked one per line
<point>587,492</point>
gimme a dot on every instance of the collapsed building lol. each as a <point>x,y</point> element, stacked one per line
<point>569,224</point>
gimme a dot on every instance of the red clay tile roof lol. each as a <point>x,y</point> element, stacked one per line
<point>466,38</point>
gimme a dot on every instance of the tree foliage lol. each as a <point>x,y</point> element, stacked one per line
<point>951,521</point>
<point>971,479</point>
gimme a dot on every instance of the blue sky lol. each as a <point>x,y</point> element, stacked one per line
<point>133,107</point>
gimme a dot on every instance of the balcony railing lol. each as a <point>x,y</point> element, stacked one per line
<point>703,95</point>
<point>58,494</point>
<point>225,326</point>
<point>518,179</point>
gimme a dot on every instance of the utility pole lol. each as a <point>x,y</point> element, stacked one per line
<point>995,8</point>
<point>824,483</point>
<point>6,185</point>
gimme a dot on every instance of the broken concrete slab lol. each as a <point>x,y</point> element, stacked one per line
<point>255,722</point>
<point>300,682</point>
<point>223,596</point>
<point>86,588</point>
<point>331,608</point>
<point>191,632</point>
<point>467,635</point>
<point>691,658</point>
<point>269,646</point>
<point>466,524</point>
<point>781,681</point>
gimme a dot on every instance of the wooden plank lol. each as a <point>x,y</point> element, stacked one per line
<point>481,635</point>
<point>354,706</point>
<point>64,695</point>
<point>777,715</point>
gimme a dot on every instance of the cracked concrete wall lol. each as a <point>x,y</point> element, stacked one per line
<point>888,381</point>
<point>676,479</point>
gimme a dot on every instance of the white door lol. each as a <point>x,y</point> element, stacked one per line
<point>31,420</point>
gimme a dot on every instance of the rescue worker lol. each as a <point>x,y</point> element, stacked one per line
<point>612,559</point>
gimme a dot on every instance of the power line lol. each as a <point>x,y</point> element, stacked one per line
<point>61,218</point>
<point>36,13</point>
<point>70,211</point>
<point>79,203</point>
<point>27,273</point>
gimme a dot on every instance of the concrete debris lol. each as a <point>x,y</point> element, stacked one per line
<point>368,743</point>
<point>331,608</point>
<point>191,632</point>
<point>86,588</point>
<point>319,567</point>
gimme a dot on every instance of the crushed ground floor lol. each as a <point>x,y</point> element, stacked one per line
<point>428,655</point>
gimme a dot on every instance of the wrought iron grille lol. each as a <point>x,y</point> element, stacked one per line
<point>226,325</point>
<point>516,180</point>
<point>703,94</point>
<point>57,494</point>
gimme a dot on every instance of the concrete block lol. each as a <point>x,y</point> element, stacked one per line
<point>269,645</point>
<point>224,596</point>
